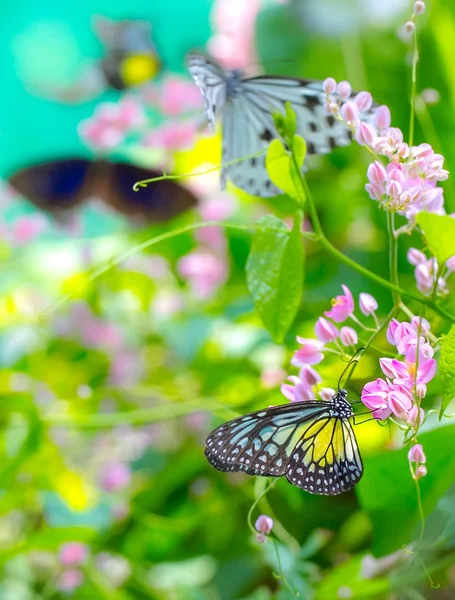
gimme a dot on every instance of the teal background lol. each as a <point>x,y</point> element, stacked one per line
<point>33,128</point>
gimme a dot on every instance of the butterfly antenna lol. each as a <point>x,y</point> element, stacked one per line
<point>352,361</point>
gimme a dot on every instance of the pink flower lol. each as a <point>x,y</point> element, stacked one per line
<point>264,524</point>
<point>309,354</point>
<point>415,416</point>
<point>115,476</point>
<point>368,305</point>
<point>298,392</point>
<point>375,397</point>
<point>416,454</point>
<point>309,375</point>
<point>450,264</point>
<point>405,373</point>
<point>73,553</point>
<point>342,306</point>
<point>70,579</point>
<point>325,331</point>
<point>348,336</point>
<point>400,401</point>
<point>204,272</point>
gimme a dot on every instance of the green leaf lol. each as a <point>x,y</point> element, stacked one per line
<point>284,169</point>
<point>291,120</point>
<point>447,369</point>
<point>274,273</point>
<point>439,233</point>
<point>388,493</point>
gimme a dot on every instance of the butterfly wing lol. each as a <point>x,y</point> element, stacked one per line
<point>326,460</point>
<point>261,443</point>
<point>211,80</point>
<point>248,127</point>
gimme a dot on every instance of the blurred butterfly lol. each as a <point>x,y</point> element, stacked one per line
<point>59,185</point>
<point>131,59</point>
<point>312,443</point>
<point>246,107</point>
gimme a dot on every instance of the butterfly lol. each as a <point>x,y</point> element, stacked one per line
<point>246,106</point>
<point>57,186</point>
<point>311,443</point>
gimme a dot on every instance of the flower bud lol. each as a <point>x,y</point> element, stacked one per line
<point>325,331</point>
<point>416,454</point>
<point>409,27</point>
<point>329,85</point>
<point>416,257</point>
<point>382,117</point>
<point>326,394</point>
<point>350,112</point>
<point>365,134</point>
<point>416,415</point>
<point>363,101</point>
<point>264,524</point>
<point>344,90</point>
<point>348,336</point>
<point>419,7</point>
<point>368,304</point>
<point>376,172</point>
<point>421,471</point>
<point>309,376</point>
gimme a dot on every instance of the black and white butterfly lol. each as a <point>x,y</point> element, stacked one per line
<point>246,105</point>
<point>311,443</point>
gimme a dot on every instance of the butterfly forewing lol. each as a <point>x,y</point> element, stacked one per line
<point>326,461</point>
<point>211,80</point>
<point>261,443</point>
<point>312,443</point>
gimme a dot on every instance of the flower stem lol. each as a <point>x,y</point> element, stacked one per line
<point>280,576</point>
<point>415,58</point>
<point>393,256</point>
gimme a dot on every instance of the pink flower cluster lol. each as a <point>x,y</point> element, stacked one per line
<point>406,380</point>
<point>328,338</point>
<point>417,460</point>
<point>407,184</point>
<point>428,275</point>
<point>112,123</point>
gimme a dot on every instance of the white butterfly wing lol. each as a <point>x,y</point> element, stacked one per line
<point>211,80</point>
<point>248,127</point>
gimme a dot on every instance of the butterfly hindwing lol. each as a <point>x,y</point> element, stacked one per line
<point>261,443</point>
<point>327,460</point>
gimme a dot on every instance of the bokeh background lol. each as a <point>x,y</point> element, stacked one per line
<point>110,384</point>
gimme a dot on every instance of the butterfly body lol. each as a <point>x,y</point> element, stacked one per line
<point>246,106</point>
<point>311,443</point>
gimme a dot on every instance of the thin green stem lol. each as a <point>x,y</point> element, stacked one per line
<point>145,182</point>
<point>280,531</point>
<point>393,256</point>
<point>415,58</point>
<point>281,576</point>
<point>256,502</point>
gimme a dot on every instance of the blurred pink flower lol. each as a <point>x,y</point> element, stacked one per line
<point>178,96</point>
<point>342,306</point>
<point>204,272</point>
<point>115,476</point>
<point>27,228</point>
<point>348,336</point>
<point>70,580</point>
<point>271,378</point>
<point>367,303</point>
<point>233,40</point>
<point>73,553</point>
<point>327,394</point>
<point>309,376</point>
<point>172,136</point>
